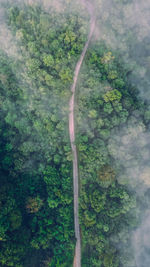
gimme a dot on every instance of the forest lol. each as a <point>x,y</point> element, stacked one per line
<point>112,137</point>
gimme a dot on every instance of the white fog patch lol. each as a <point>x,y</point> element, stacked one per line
<point>7,40</point>
<point>141,243</point>
<point>130,148</point>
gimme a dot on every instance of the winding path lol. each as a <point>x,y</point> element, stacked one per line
<point>77,258</point>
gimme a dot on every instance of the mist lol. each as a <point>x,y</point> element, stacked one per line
<point>141,243</point>
<point>125,27</point>
<point>36,99</point>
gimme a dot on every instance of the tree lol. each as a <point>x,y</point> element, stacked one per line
<point>108,108</point>
<point>92,114</point>
<point>98,200</point>
<point>106,175</point>
<point>112,95</point>
<point>48,60</point>
<point>33,205</point>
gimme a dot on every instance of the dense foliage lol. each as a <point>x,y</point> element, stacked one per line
<point>36,172</point>
<point>108,111</point>
<point>36,195</point>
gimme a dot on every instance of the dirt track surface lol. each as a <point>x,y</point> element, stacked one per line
<point>77,258</point>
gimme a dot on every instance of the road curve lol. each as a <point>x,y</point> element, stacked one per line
<point>77,258</point>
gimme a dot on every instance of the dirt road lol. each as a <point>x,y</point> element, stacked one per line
<point>77,258</point>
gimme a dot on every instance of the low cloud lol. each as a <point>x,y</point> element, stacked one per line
<point>141,243</point>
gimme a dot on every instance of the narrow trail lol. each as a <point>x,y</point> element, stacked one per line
<point>77,257</point>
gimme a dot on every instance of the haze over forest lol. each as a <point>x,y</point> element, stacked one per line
<point>41,42</point>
